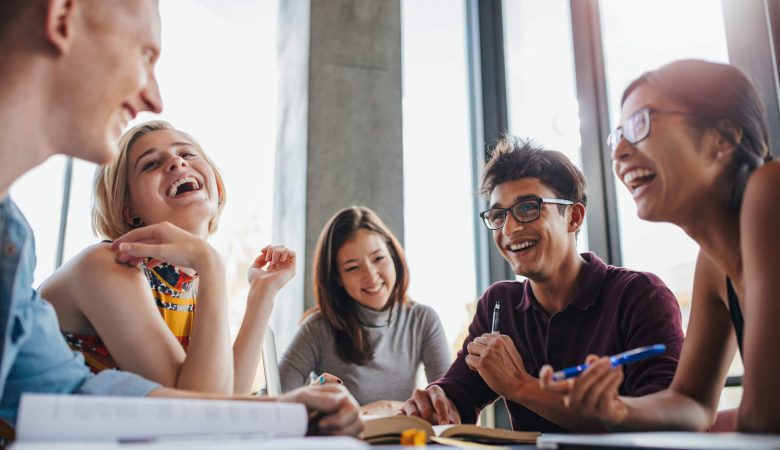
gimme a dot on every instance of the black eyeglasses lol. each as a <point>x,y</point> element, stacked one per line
<point>637,127</point>
<point>523,211</point>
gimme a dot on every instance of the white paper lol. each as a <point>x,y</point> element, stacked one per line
<point>94,418</point>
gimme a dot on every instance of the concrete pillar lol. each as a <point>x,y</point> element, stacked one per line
<point>339,139</point>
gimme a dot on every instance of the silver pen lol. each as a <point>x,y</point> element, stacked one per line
<point>496,310</point>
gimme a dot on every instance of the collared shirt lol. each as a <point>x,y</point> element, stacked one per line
<point>34,356</point>
<point>614,310</point>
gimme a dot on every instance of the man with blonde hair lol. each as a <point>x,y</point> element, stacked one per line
<point>73,74</point>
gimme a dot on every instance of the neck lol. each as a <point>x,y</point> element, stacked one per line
<point>23,124</point>
<point>716,230</point>
<point>554,293</point>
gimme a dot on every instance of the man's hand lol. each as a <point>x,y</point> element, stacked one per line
<point>496,359</point>
<point>332,410</point>
<point>431,404</point>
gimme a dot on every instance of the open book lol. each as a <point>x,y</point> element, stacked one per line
<point>51,421</point>
<point>387,430</point>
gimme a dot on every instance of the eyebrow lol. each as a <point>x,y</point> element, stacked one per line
<point>353,260</point>
<point>154,149</point>
<point>519,198</point>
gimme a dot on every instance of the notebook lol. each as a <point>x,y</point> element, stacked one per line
<point>661,441</point>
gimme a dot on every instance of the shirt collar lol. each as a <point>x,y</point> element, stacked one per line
<point>589,283</point>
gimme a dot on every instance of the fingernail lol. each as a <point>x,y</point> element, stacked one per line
<point>322,379</point>
<point>340,382</point>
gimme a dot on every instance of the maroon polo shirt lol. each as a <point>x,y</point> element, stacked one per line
<point>614,310</point>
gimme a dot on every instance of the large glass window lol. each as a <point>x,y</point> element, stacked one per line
<point>634,42</point>
<point>438,191</point>
<point>541,87</point>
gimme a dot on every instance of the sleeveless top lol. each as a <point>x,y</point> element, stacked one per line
<point>736,313</point>
<point>174,294</point>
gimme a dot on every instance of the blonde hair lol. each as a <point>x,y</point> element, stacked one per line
<point>111,193</point>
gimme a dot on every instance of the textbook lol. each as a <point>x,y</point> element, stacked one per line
<point>387,430</point>
<point>68,418</point>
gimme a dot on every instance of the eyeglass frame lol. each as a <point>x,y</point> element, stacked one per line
<point>537,200</point>
<point>617,135</point>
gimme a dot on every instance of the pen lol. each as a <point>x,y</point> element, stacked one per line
<point>616,360</point>
<point>496,310</point>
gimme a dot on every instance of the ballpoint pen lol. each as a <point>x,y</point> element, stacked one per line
<point>496,310</point>
<point>616,360</point>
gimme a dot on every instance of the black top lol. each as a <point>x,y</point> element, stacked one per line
<point>736,313</point>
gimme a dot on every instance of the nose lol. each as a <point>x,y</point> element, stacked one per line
<point>150,95</point>
<point>510,225</point>
<point>175,162</point>
<point>371,272</point>
<point>623,150</point>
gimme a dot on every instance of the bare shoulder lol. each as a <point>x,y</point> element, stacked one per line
<point>91,270</point>
<point>762,187</point>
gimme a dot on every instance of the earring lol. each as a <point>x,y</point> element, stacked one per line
<point>137,222</point>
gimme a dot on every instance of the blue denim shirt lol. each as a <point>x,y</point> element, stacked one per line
<point>34,356</point>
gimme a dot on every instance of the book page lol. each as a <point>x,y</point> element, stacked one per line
<point>81,417</point>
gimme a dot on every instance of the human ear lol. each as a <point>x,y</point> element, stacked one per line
<point>576,217</point>
<point>59,23</point>
<point>729,136</point>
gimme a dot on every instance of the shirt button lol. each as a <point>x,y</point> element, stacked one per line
<point>10,249</point>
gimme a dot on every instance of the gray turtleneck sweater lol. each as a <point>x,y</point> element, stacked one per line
<point>412,335</point>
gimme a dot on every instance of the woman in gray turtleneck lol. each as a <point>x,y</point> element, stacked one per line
<point>364,330</point>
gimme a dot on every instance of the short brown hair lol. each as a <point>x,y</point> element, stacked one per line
<point>339,309</point>
<point>514,158</point>
<point>112,192</point>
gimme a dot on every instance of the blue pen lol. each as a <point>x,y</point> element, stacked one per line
<point>616,360</point>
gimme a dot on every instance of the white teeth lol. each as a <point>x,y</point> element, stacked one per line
<point>373,290</point>
<point>521,246</point>
<point>175,185</point>
<point>636,173</point>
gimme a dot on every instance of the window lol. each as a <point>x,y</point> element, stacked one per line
<point>541,88</point>
<point>438,188</point>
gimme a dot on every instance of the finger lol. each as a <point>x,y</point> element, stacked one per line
<point>441,406</point>
<point>275,255</point>
<point>610,393</point>
<point>591,359</point>
<point>596,393</point>
<point>592,376</point>
<point>475,348</point>
<point>473,362</point>
<point>347,414</point>
<point>139,250</point>
<point>151,233</point>
<point>421,398</point>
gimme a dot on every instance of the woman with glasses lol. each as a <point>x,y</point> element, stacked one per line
<point>364,331</point>
<point>692,149</point>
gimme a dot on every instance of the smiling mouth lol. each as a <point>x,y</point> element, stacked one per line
<point>374,289</point>
<point>522,246</point>
<point>637,178</point>
<point>182,186</point>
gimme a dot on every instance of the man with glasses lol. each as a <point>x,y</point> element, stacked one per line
<point>570,305</point>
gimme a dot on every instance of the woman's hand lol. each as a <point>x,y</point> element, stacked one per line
<point>273,268</point>
<point>594,394</point>
<point>166,242</point>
